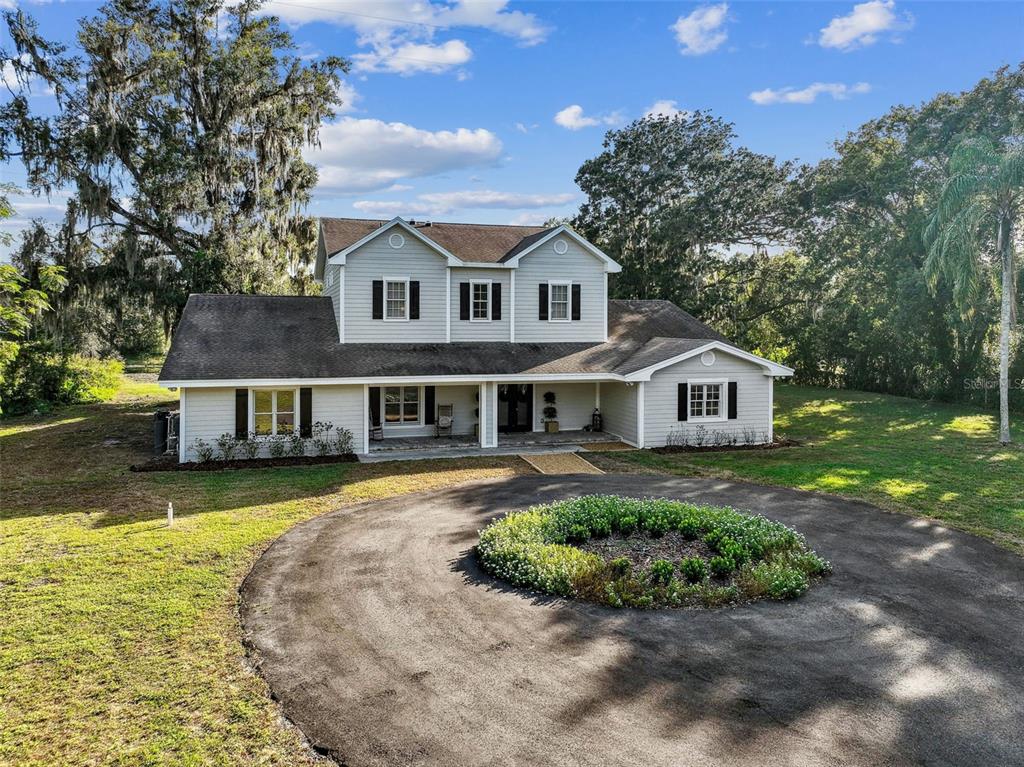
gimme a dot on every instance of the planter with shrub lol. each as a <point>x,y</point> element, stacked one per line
<point>629,552</point>
<point>550,413</point>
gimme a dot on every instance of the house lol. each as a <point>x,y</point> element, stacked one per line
<point>487,319</point>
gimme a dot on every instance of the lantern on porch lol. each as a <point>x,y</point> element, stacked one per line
<point>596,422</point>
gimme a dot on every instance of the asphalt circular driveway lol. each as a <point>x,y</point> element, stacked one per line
<point>386,645</point>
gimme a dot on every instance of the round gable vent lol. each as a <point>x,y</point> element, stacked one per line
<point>561,247</point>
<point>707,358</point>
<point>396,240</point>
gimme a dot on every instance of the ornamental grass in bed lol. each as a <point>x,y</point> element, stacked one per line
<point>631,552</point>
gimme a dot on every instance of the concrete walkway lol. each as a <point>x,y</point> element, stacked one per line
<point>386,645</point>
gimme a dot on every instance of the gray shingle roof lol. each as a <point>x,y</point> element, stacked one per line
<point>251,337</point>
<point>475,243</point>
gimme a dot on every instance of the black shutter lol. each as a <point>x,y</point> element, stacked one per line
<point>542,313</point>
<point>575,302</point>
<point>428,404</point>
<point>683,402</point>
<point>463,300</point>
<point>241,413</point>
<point>375,405</point>
<point>306,412</point>
<point>732,400</point>
<point>414,300</point>
<point>496,301</point>
<point>378,299</point>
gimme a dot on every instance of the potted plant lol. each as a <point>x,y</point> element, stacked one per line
<point>550,413</point>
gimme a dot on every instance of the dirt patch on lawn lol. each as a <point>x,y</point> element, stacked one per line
<point>641,548</point>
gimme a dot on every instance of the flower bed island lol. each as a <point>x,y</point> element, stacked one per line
<point>630,552</point>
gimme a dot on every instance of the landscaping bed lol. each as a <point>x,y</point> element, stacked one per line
<point>710,448</point>
<point>630,552</point>
<point>170,463</point>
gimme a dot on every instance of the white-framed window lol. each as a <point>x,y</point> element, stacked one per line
<point>396,299</point>
<point>480,301</point>
<point>707,401</point>
<point>274,411</point>
<point>559,301</point>
<point>401,405</point>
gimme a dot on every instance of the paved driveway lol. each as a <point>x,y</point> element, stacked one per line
<point>386,645</point>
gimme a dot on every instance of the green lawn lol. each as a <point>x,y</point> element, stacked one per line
<point>118,637</point>
<point>940,461</point>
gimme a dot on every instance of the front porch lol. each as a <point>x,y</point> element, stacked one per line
<point>468,445</point>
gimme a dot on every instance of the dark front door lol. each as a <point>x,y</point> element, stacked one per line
<point>515,407</point>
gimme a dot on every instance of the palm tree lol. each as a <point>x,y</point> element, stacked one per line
<point>983,196</point>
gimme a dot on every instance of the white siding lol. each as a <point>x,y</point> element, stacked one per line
<point>333,277</point>
<point>574,402</point>
<point>576,265</point>
<point>618,409</point>
<point>376,260</point>
<point>209,413</point>
<point>753,408</point>
<point>496,330</point>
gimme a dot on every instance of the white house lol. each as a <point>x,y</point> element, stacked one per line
<point>487,319</point>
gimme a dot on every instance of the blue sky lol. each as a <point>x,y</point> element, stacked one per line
<point>483,111</point>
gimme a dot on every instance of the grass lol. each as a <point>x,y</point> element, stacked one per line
<point>119,642</point>
<point>921,458</point>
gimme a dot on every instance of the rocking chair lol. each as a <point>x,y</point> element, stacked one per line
<point>376,430</point>
<point>445,421</point>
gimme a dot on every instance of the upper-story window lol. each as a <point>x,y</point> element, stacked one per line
<point>558,299</point>
<point>481,297</point>
<point>396,305</point>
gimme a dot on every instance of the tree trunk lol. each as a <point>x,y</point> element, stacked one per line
<point>1004,243</point>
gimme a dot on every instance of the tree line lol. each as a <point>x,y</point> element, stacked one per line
<point>889,266</point>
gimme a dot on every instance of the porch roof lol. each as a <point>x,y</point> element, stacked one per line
<point>222,337</point>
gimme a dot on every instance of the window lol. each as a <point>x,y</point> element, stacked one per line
<point>401,404</point>
<point>396,304</point>
<point>481,301</point>
<point>706,400</point>
<point>558,301</point>
<point>273,411</point>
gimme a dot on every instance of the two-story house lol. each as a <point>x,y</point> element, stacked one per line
<point>485,319</point>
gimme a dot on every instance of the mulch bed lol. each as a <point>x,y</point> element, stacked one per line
<point>170,463</point>
<point>723,448</point>
<point>642,548</point>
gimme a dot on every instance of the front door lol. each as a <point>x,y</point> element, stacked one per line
<point>515,407</point>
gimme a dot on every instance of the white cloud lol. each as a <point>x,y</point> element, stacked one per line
<point>401,33</point>
<point>8,5</point>
<point>349,97</point>
<point>702,31</point>
<point>441,203</point>
<point>358,155</point>
<point>863,25</point>
<point>412,58</point>
<point>572,118</point>
<point>665,107</point>
<point>808,95</point>
<point>529,219</point>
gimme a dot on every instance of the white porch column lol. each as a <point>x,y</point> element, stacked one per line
<point>494,413</point>
<point>640,414</point>
<point>366,418</point>
<point>597,394</point>
<point>182,419</point>
<point>482,418</point>
<point>771,409</point>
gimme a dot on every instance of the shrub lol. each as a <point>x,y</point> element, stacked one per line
<point>619,566</point>
<point>694,569</point>
<point>39,378</point>
<point>203,450</point>
<point>342,441</point>
<point>277,446</point>
<point>775,579</point>
<point>227,444</point>
<point>322,442</point>
<point>296,444</point>
<point>250,446</point>
<point>660,571</point>
<point>722,566</point>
